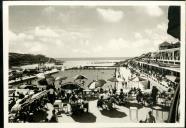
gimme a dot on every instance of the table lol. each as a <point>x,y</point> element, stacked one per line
<point>157,108</point>
<point>130,110</point>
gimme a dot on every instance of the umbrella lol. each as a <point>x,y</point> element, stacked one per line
<point>61,78</point>
<point>80,77</point>
<point>50,79</point>
<point>28,87</point>
<point>92,85</point>
<point>95,84</point>
<point>113,79</point>
<point>70,86</point>
<point>137,79</point>
<point>40,75</point>
<point>171,78</point>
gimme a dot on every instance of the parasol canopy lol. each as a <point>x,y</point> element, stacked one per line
<point>41,75</point>
<point>173,78</point>
<point>49,79</point>
<point>96,84</point>
<point>28,87</point>
<point>60,78</point>
<point>114,79</point>
<point>137,79</point>
<point>70,86</point>
<point>80,77</point>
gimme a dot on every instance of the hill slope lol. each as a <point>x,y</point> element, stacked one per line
<point>17,59</point>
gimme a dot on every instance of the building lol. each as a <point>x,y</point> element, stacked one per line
<point>169,53</point>
<point>164,63</point>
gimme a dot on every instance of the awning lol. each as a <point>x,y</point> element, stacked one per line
<point>171,77</point>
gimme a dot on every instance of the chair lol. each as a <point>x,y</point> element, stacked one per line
<point>58,105</point>
<point>65,107</point>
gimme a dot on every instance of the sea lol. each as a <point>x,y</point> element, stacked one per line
<point>98,61</point>
<point>79,62</point>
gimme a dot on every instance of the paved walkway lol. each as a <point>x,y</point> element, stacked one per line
<point>119,115</point>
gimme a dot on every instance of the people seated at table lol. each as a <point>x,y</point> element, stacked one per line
<point>51,95</point>
<point>73,98</point>
<point>121,97</point>
<point>154,94</point>
<point>109,104</point>
<point>139,96</point>
<point>100,102</point>
<point>85,104</point>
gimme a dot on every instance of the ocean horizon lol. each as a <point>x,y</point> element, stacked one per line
<point>92,58</point>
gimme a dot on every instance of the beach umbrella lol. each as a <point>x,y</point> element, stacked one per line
<point>96,84</point>
<point>60,78</point>
<point>70,86</point>
<point>171,78</point>
<point>137,79</point>
<point>28,87</point>
<point>92,85</point>
<point>40,75</point>
<point>80,77</point>
<point>50,79</point>
<point>113,79</point>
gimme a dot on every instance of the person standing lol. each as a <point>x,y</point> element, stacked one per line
<point>151,118</point>
<point>54,118</point>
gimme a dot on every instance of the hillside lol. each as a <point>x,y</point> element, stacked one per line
<point>17,59</point>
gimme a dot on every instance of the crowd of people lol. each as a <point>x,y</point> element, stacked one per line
<point>77,101</point>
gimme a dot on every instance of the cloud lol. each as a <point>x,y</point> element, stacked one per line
<point>45,32</point>
<point>110,15</point>
<point>117,44</point>
<point>47,40</point>
<point>140,43</point>
<point>137,35</point>
<point>21,36</point>
<point>162,26</point>
<point>154,11</point>
<point>158,34</point>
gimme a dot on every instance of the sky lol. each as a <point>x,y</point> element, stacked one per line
<point>87,31</point>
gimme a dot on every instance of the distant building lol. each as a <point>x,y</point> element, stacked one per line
<point>169,53</point>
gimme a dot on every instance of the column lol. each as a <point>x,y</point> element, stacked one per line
<point>173,56</point>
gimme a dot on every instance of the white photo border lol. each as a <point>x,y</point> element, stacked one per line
<point>6,5</point>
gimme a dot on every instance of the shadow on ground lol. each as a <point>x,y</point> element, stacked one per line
<point>113,113</point>
<point>39,116</point>
<point>130,104</point>
<point>84,118</point>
